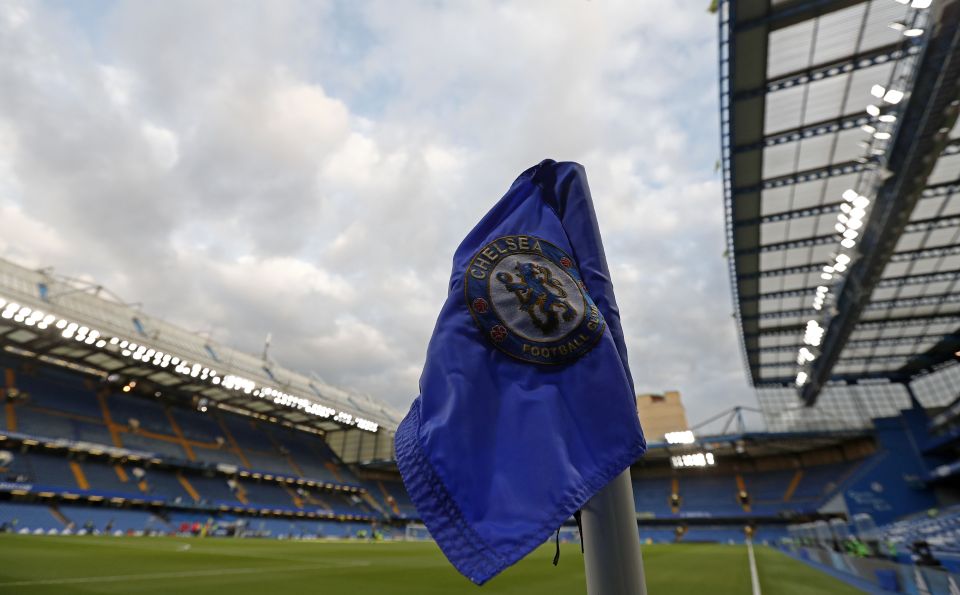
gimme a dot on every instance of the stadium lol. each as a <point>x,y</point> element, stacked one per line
<point>137,456</point>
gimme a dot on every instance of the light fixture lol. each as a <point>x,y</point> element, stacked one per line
<point>877,91</point>
<point>881,135</point>
<point>873,110</point>
<point>892,96</point>
<point>850,194</point>
<point>888,118</point>
<point>897,26</point>
<point>920,3</point>
<point>848,243</point>
<point>913,33</point>
<point>868,129</point>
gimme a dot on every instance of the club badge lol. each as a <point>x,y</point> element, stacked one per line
<point>527,297</point>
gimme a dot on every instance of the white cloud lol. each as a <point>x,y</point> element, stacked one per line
<point>308,169</point>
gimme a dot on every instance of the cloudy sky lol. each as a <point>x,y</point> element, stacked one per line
<point>308,168</point>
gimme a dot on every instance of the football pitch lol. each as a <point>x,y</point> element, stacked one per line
<point>163,565</point>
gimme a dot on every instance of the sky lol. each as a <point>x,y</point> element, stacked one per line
<point>307,169</point>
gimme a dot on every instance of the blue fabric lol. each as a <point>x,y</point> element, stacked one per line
<point>497,452</point>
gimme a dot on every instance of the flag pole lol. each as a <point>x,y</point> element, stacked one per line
<point>611,542</point>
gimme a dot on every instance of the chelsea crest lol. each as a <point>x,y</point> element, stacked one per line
<point>527,297</point>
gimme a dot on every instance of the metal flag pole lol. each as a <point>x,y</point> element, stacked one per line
<point>611,542</point>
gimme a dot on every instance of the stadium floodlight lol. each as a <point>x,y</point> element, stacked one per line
<point>868,129</point>
<point>893,96</point>
<point>61,324</point>
<point>827,269</point>
<point>843,258</point>
<point>855,224</point>
<point>693,460</point>
<point>903,1</point>
<point>826,276</point>
<point>848,243</point>
<point>888,118</point>
<point>850,234</point>
<point>861,202</point>
<point>921,3</point>
<point>913,32</point>
<point>877,91</point>
<point>873,110</point>
<point>822,289</point>
<point>684,437</point>
<point>840,228</point>
<point>881,135</point>
<point>850,195</point>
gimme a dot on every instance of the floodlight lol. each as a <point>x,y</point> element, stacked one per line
<point>843,258</point>
<point>913,33</point>
<point>840,228</point>
<point>685,437</point>
<point>873,110</point>
<point>850,234</point>
<point>893,96</point>
<point>861,202</point>
<point>881,135</point>
<point>850,194</point>
<point>826,276</point>
<point>921,3</point>
<point>877,91</point>
<point>888,118</point>
<point>801,378</point>
<point>848,243</point>
<point>61,324</point>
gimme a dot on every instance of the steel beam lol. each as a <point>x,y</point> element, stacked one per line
<point>810,175</point>
<point>790,244</point>
<point>818,72</point>
<point>825,209</point>
<point>803,268</point>
<point>919,279</point>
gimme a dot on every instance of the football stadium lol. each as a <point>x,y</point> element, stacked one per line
<point>138,456</point>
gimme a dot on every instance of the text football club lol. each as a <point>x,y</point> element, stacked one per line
<point>527,297</point>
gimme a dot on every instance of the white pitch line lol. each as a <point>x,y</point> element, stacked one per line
<point>754,576</point>
<point>119,578</point>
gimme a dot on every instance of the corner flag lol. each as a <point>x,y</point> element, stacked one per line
<point>526,405</point>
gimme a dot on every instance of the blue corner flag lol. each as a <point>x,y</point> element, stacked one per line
<point>526,405</point>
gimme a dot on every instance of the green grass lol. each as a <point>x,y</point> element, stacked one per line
<point>34,565</point>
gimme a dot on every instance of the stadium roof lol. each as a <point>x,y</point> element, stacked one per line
<point>841,158</point>
<point>77,324</point>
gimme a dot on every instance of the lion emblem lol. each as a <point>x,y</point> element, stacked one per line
<point>540,295</point>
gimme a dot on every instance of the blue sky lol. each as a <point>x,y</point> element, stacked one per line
<point>308,168</point>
